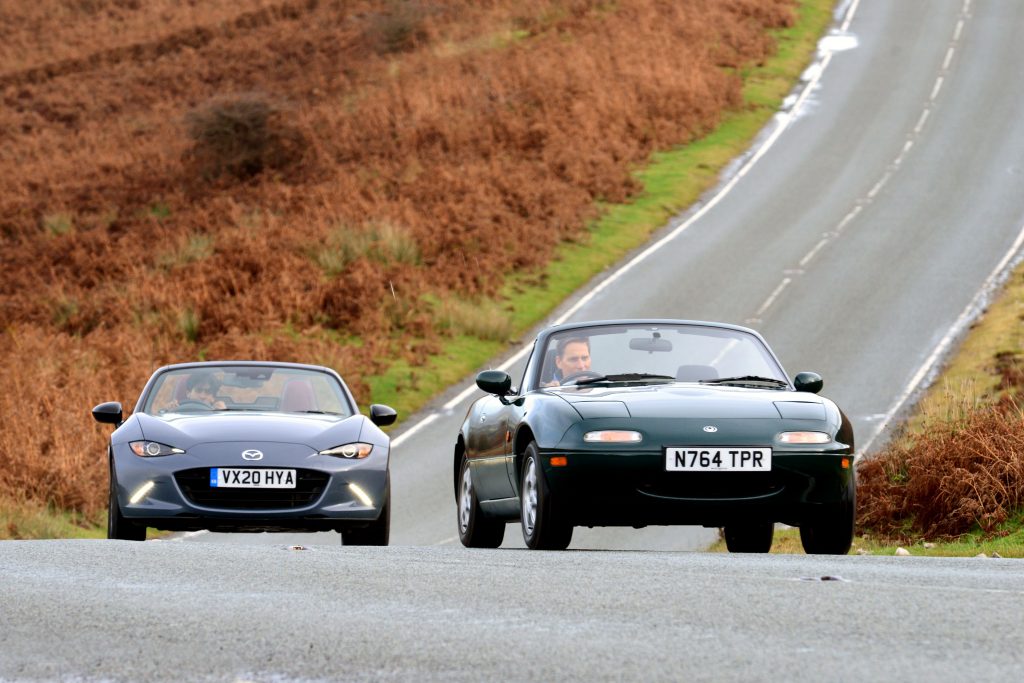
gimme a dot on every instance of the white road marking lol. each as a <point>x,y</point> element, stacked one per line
<point>806,259</point>
<point>972,311</point>
<point>774,295</point>
<point>879,185</point>
<point>936,88</point>
<point>949,58</point>
<point>920,122</point>
<point>959,29</point>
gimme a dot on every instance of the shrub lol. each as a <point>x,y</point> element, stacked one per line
<point>947,479</point>
<point>241,136</point>
<point>484,320</point>
<point>399,28</point>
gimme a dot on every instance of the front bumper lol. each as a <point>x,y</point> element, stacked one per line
<point>176,500</point>
<point>634,489</point>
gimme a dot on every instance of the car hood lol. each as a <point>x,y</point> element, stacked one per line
<point>316,431</point>
<point>692,401</point>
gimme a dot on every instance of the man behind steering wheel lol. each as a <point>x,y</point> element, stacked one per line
<point>571,358</point>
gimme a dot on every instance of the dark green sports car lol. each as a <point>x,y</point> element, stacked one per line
<point>638,422</point>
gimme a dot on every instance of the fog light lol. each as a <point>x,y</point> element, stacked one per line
<point>804,437</point>
<point>612,436</point>
<point>361,495</point>
<point>141,492</point>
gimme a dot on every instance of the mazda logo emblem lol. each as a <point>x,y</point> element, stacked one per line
<point>711,429</point>
<point>252,454</point>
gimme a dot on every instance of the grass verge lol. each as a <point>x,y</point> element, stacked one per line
<point>787,542</point>
<point>19,520</point>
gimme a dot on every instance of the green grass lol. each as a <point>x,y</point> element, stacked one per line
<point>672,181</point>
<point>787,542</point>
<point>19,520</point>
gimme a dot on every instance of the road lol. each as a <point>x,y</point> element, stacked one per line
<point>860,235</point>
<point>162,611</point>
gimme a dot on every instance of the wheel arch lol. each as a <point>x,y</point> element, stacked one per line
<point>460,451</point>
<point>524,436</point>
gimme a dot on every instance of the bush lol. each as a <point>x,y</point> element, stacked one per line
<point>948,479</point>
<point>241,136</point>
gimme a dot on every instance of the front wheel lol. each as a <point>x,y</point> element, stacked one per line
<point>117,526</point>
<point>377,532</point>
<point>831,533</point>
<point>752,537</point>
<point>475,529</point>
<point>545,524</point>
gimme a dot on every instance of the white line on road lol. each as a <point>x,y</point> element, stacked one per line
<point>920,122</point>
<point>774,295</point>
<point>949,58</point>
<point>936,88</point>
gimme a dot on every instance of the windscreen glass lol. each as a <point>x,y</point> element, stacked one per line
<point>684,353</point>
<point>246,388</point>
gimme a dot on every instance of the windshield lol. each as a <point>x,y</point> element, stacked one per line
<point>657,353</point>
<point>246,388</point>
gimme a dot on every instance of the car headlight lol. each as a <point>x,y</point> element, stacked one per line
<point>613,436</point>
<point>804,437</point>
<point>148,449</point>
<point>356,450</point>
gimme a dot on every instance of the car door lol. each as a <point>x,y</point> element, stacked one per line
<point>487,449</point>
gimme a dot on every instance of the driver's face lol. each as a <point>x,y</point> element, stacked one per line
<point>575,358</point>
<point>202,394</point>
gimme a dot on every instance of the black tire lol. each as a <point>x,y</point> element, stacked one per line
<point>831,533</point>
<point>749,537</point>
<point>476,530</point>
<point>550,528</point>
<point>118,527</point>
<point>377,532</point>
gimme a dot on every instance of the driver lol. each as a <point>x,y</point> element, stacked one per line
<point>572,357</point>
<point>201,388</point>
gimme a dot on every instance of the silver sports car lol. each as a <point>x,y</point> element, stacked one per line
<point>248,446</point>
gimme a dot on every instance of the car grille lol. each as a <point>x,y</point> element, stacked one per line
<point>712,485</point>
<point>195,484</point>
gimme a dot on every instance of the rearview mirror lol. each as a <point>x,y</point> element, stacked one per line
<point>382,415</point>
<point>810,382</point>
<point>494,382</point>
<point>108,413</point>
<point>650,344</point>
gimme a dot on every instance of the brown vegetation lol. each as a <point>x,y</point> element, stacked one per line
<point>949,479</point>
<point>255,179</point>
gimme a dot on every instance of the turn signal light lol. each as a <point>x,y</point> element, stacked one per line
<point>559,461</point>
<point>804,437</point>
<point>613,436</point>
<point>845,463</point>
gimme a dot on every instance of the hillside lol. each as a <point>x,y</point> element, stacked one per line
<point>317,181</point>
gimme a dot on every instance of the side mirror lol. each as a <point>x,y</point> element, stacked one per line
<point>494,382</point>
<point>810,382</point>
<point>382,415</point>
<point>108,413</point>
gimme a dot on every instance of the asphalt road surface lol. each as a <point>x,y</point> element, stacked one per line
<point>159,611</point>
<point>860,236</point>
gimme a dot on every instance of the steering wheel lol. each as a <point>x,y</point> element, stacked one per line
<point>575,377</point>
<point>193,405</point>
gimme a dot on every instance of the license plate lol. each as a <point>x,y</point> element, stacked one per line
<point>725,459</point>
<point>246,478</point>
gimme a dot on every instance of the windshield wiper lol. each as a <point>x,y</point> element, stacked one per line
<point>315,412</point>
<point>747,379</point>
<point>624,377</point>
